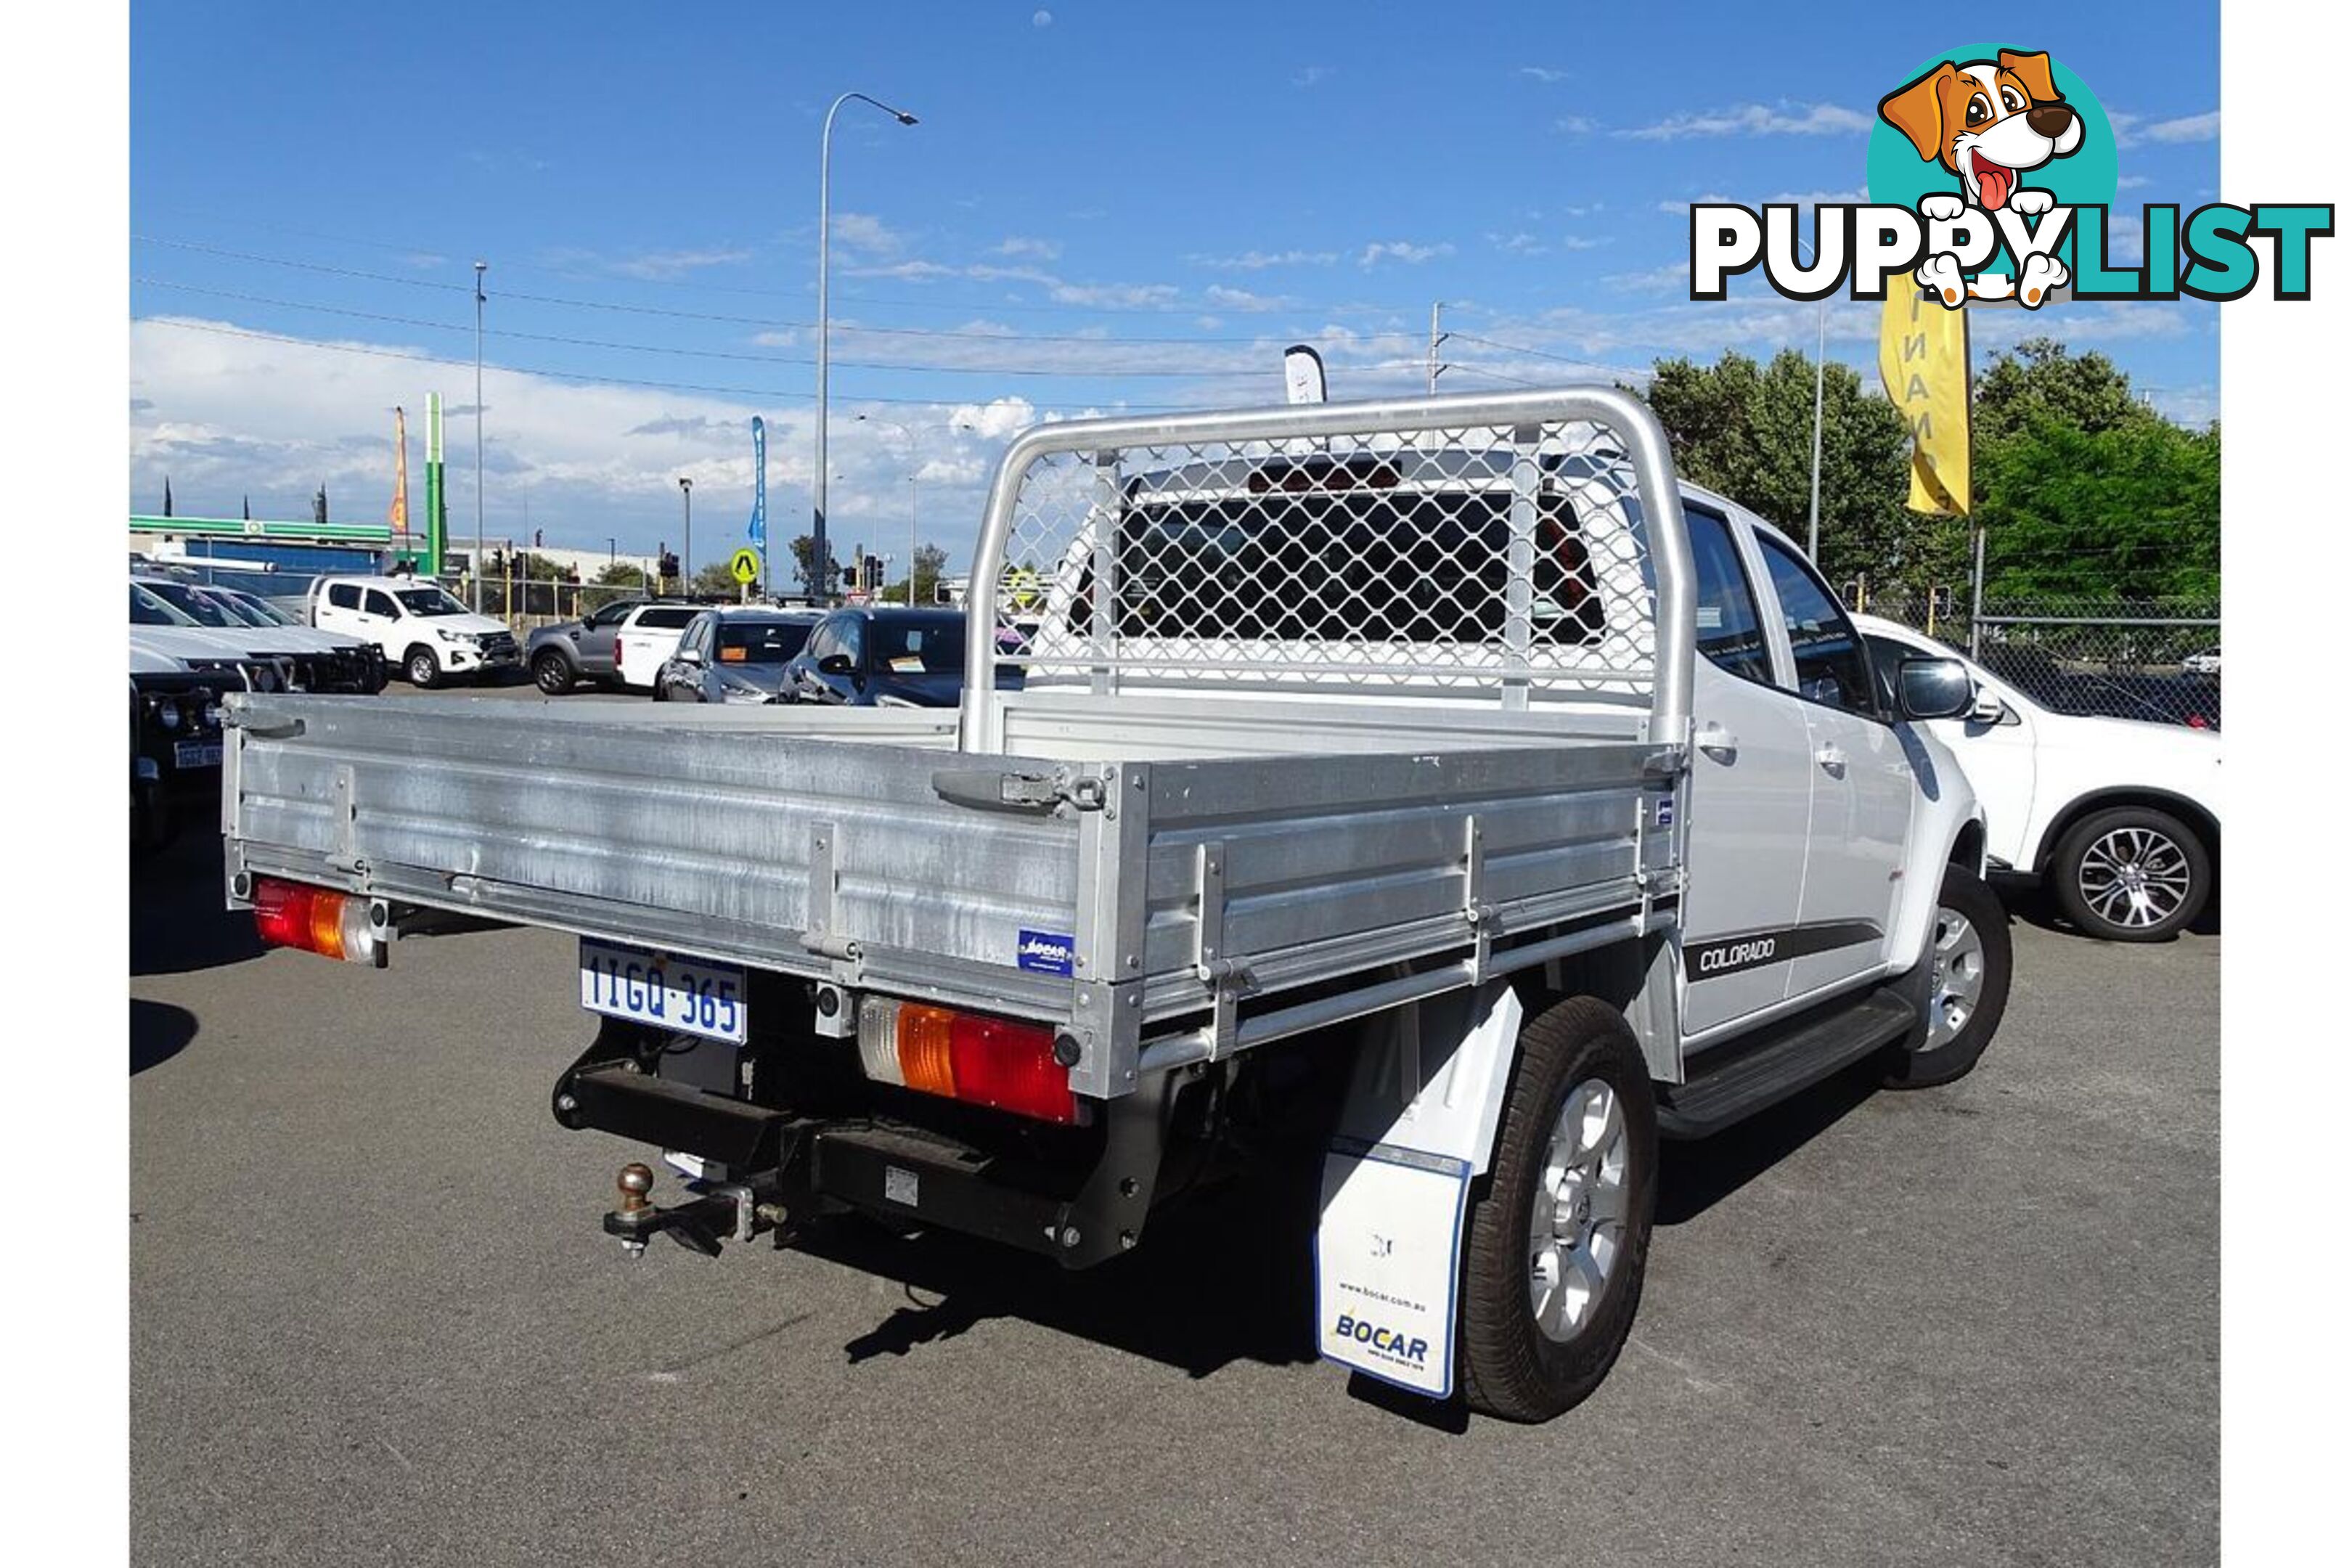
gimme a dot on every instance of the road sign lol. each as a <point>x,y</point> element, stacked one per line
<point>746,567</point>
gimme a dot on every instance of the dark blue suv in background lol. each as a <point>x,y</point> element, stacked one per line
<point>873,656</point>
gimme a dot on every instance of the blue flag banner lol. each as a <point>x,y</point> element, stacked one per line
<point>759,529</point>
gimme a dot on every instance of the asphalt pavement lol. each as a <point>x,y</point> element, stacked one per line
<point>374,1319</point>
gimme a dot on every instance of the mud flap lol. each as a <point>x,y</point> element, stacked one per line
<point>1418,1124</point>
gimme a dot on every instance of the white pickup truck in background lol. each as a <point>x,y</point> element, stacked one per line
<point>2119,819</point>
<point>1435,787</point>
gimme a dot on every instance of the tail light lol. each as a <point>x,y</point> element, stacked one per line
<point>969,1057</point>
<point>333,925</point>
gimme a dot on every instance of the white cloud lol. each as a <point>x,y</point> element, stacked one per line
<point>1583,242</point>
<point>1243,300</point>
<point>1673,275</point>
<point>785,338</point>
<point>1122,296</point>
<point>2131,182</point>
<point>1402,251</point>
<point>1544,74</point>
<point>1257,260</point>
<point>662,264</point>
<point>1041,19</point>
<point>865,234</point>
<point>1314,76</point>
<point>1754,119</point>
<point>1521,244</point>
<point>2203,127</point>
<point>1024,245</point>
<point>1576,125</point>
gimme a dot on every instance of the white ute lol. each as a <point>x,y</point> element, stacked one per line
<point>2119,819</point>
<point>425,632</point>
<point>1430,800</point>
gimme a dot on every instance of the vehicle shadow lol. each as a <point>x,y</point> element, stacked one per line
<point>158,1032</point>
<point>2036,908</point>
<point>1229,1275</point>
<point>177,923</point>
<point>1695,1176</point>
<point>1224,1277</point>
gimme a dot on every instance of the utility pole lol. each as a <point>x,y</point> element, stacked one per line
<point>686,561</point>
<point>825,319</point>
<point>1976,599</point>
<point>1436,336</point>
<point>479,267</point>
<point>911,488</point>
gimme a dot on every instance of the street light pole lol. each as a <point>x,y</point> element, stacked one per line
<point>825,319</point>
<point>479,267</point>
<point>1821,345</point>
<point>910,541</point>
<point>685,561</point>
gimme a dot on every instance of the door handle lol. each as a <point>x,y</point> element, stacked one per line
<point>1718,741</point>
<point>1831,758</point>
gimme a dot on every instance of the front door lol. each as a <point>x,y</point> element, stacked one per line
<point>1750,797</point>
<point>1862,785</point>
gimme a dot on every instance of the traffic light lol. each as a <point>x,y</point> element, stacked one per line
<point>873,573</point>
<point>669,564</point>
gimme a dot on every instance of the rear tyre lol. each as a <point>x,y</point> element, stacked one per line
<point>1558,1242</point>
<point>2131,874</point>
<point>552,673</point>
<point>1966,985</point>
<point>423,668</point>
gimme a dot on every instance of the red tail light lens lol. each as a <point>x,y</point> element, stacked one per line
<point>965,1055</point>
<point>291,914</point>
<point>1010,1066</point>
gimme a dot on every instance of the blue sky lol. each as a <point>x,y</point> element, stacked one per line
<point>1104,206</point>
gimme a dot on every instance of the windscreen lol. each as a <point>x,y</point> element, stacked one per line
<point>147,610</point>
<point>429,602</point>
<point>917,647</point>
<point>760,642</point>
<point>198,608</point>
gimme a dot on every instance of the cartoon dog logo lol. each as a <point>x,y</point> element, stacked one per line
<point>1988,122</point>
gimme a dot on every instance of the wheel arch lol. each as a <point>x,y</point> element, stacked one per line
<point>2192,814</point>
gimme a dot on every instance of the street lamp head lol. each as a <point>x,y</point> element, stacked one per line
<point>685,484</point>
<point>907,119</point>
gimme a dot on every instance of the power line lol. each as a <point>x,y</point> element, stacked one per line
<point>768,394</point>
<point>914,367</point>
<point>721,318</point>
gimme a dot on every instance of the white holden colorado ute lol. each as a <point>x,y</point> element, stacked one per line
<point>2119,819</point>
<point>1435,786</point>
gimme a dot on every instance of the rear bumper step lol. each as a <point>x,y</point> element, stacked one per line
<point>891,1170</point>
<point>1781,1062</point>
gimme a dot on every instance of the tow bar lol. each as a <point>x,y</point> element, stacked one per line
<point>721,1212</point>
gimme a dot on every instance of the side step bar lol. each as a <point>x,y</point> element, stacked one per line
<point>1783,1060</point>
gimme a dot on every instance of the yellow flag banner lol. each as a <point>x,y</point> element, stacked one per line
<point>400,471</point>
<point>1923,357</point>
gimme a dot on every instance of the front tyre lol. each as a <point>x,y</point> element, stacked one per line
<point>2131,874</point>
<point>552,672</point>
<point>423,668</point>
<point>1966,985</point>
<point>1558,1242</point>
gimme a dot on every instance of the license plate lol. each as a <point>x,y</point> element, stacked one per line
<point>670,992</point>
<point>198,753</point>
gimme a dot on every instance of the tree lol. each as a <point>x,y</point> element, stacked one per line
<point>930,565</point>
<point>805,571</point>
<point>2085,392</point>
<point>2131,512</point>
<point>1748,431</point>
<point>715,577</point>
<point>622,574</point>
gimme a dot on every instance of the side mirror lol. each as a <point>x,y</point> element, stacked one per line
<point>836,664</point>
<point>692,656</point>
<point>1936,689</point>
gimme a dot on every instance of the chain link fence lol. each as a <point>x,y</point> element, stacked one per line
<point>2158,660</point>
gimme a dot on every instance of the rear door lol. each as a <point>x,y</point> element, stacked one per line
<point>1750,799</point>
<point>1861,778</point>
<point>596,639</point>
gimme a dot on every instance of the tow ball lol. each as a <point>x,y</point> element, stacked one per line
<point>721,1212</point>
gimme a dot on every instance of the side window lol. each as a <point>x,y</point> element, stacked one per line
<point>612,614</point>
<point>380,603</point>
<point>823,642</point>
<point>1729,633</point>
<point>852,632</point>
<point>666,618</point>
<point>344,596</point>
<point>1832,667</point>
